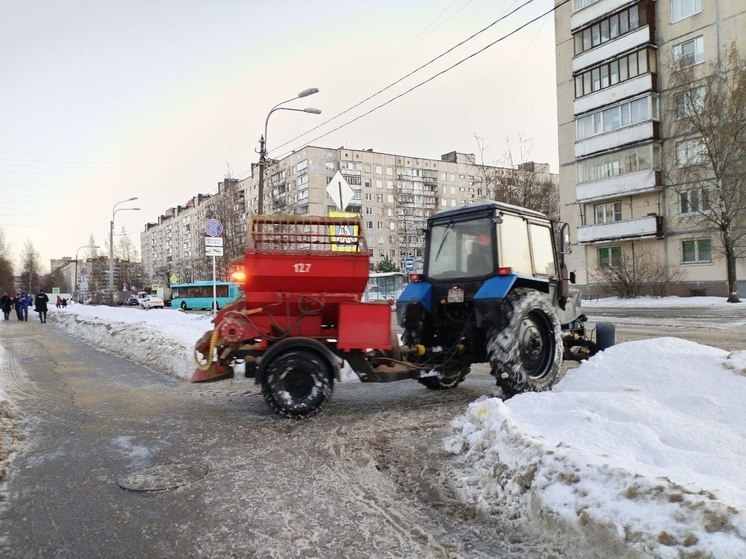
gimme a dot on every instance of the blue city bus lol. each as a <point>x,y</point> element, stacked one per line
<point>198,295</point>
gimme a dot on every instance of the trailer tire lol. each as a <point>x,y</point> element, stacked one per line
<point>605,335</point>
<point>297,383</point>
<point>526,354</point>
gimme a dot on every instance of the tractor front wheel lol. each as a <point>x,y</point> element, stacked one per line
<point>526,354</point>
<point>297,383</point>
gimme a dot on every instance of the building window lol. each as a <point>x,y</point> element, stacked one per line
<point>696,251</point>
<point>631,160</point>
<point>689,52</point>
<point>608,213</point>
<point>690,152</point>
<point>580,4</point>
<point>681,9</point>
<point>626,114</point>
<point>610,256</point>
<point>609,28</point>
<point>616,71</point>
<point>693,201</point>
<point>690,102</point>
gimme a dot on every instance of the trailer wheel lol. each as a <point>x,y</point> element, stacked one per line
<point>526,354</point>
<point>297,383</point>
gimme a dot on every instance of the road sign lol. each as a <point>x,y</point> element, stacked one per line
<point>213,251</point>
<point>340,191</point>
<point>409,264</point>
<point>213,241</point>
<point>213,227</point>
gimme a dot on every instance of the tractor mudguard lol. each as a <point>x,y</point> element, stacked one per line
<point>296,343</point>
<point>488,298</point>
<point>417,292</point>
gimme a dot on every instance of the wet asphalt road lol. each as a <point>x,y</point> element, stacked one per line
<point>366,478</point>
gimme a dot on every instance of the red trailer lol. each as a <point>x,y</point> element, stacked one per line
<point>301,314</point>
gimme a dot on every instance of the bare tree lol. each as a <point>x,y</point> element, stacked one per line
<point>7,281</point>
<point>30,267</point>
<point>709,171</point>
<point>520,181</point>
<point>129,261</point>
<point>638,272</point>
<point>229,206</point>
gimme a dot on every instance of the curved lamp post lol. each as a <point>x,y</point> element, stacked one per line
<point>263,139</point>
<point>75,293</point>
<point>114,210</point>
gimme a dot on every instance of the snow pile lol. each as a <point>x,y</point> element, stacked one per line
<point>641,447</point>
<point>160,339</point>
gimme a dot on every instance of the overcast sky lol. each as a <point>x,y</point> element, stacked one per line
<point>160,99</point>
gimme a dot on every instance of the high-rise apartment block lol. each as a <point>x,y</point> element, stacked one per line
<point>394,194</point>
<point>615,62</point>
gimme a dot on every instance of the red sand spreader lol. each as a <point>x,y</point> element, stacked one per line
<point>301,314</point>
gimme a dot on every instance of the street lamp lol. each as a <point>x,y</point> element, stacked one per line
<point>114,210</point>
<point>263,139</point>
<point>75,291</point>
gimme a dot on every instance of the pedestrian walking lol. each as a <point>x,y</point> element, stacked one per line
<point>59,302</point>
<point>40,305</point>
<point>17,302</point>
<point>26,301</point>
<point>6,303</point>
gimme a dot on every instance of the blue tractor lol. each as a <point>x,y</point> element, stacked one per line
<point>495,289</point>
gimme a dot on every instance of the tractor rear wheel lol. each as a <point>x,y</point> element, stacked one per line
<point>526,354</point>
<point>297,383</point>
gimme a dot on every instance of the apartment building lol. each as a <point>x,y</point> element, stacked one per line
<point>394,194</point>
<point>615,96</point>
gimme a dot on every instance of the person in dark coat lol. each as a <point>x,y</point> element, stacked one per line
<point>40,305</point>
<point>6,303</point>
<point>17,302</point>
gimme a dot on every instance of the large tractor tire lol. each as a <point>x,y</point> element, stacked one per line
<point>526,354</point>
<point>297,383</point>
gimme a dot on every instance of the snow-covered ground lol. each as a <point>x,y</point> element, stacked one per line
<point>642,445</point>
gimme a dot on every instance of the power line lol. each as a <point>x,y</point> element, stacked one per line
<point>454,47</point>
<point>431,78</point>
<point>444,10</point>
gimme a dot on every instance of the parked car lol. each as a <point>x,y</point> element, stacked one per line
<point>132,301</point>
<point>151,302</point>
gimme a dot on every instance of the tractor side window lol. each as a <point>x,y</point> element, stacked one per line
<point>543,252</point>
<point>514,246</point>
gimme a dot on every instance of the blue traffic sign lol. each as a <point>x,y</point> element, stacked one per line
<point>213,227</point>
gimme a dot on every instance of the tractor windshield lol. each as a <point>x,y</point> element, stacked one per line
<point>461,249</point>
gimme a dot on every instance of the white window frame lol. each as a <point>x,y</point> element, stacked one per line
<point>699,51</point>
<point>609,259</point>
<point>696,95</point>
<point>701,200</point>
<point>608,212</point>
<point>698,259</point>
<point>689,153</point>
<point>682,9</point>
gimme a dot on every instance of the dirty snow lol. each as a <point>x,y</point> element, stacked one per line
<point>641,447</point>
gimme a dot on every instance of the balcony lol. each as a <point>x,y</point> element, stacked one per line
<point>629,88</point>
<point>617,138</point>
<point>623,185</point>
<point>594,11</point>
<point>637,38</point>
<point>645,227</point>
